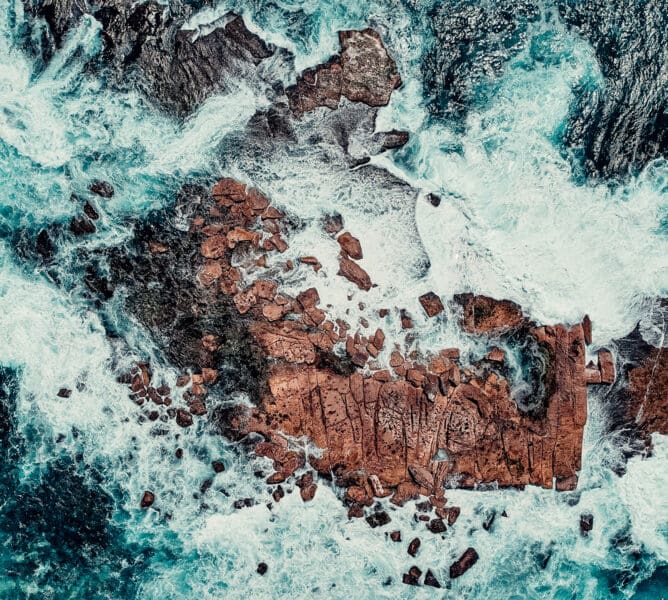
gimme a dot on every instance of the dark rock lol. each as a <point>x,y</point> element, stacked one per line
<point>218,466</point>
<point>430,579</point>
<point>262,568</point>
<point>412,577</point>
<point>395,536</point>
<point>147,499</point>
<point>437,526</point>
<point>465,562</point>
<point>183,418</point>
<point>414,546</point>
<point>82,225</point>
<point>102,188</point>
<point>586,523</point>
<point>90,212</point>
<point>489,521</point>
<point>434,200</point>
<point>179,453</point>
<point>64,393</point>
<point>378,519</point>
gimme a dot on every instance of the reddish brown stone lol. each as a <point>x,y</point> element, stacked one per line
<point>350,246</point>
<point>214,247</point>
<point>147,499</point>
<point>586,328</point>
<point>607,366</point>
<point>363,72</point>
<point>354,273</point>
<point>431,303</point>
<point>486,315</point>
<point>465,562</point>
<point>496,355</point>
<point>414,546</point>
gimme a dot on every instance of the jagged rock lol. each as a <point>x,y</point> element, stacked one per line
<point>484,315</point>
<point>414,546</point>
<point>82,225</point>
<point>102,188</point>
<point>465,562</point>
<point>353,272</point>
<point>350,245</point>
<point>64,393</point>
<point>430,579</point>
<point>431,303</point>
<point>146,44</point>
<point>218,466</point>
<point>362,72</point>
<point>147,499</point>
<point>586,523</point>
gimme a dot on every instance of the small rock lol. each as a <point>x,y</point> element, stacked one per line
<point>434,200</point>
<point>64,393</point>
<point>465,562</point>
<point>436,526</point>
<point>412,577</point>
<point>183,418</point>
<point>430,579</point>
<point>147,499</point>
<point>350,245</point>
<point>586,329</point>
<point>496,355</point>
<point>102,188</point>
<point>218,466</point>
<point>262,568</point>
<point>414,546</point>
<point>378,519</point>
<point>179,453</point>
<point>586,523</point>
<point>431,303</point>
<point>395,536</point>
<point>91,213</point>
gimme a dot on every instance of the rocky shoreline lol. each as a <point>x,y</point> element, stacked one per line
<point>382,419</point>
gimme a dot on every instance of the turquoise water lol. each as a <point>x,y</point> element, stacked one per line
<point>516,223</point>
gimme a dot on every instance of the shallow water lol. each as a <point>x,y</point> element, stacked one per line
<point>514,223</point>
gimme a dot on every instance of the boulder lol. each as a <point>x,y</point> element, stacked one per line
<point>464,563</point>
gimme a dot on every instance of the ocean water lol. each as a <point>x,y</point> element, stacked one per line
<point>515,222</point>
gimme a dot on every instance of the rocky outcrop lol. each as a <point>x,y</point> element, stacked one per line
<point>637,404</point>
<point>145,45</point>
<point>380,429</point>
<point>362,72</point>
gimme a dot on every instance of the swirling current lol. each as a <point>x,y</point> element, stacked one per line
<point>541,126</point>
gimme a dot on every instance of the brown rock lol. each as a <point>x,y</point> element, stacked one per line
<point>496,355</point>
<point>406,321</point>
<point>607,366</point>
<point>350,245</point>
<point>486,315</point>
<point>218,466</point>
<point>362,73</point>
<point>147,499</point>
<point>214,247</point>
<point>431,303</point>
<point>412,577</point>
<point>183,418</point>
<point>586,328</point>
<point>430,579</point>
<point>414,546</point>
<point>102,188</point>
<point>395,536</point>
<point>465,562</point>
<point>354,273</point>
<point>157,248</point>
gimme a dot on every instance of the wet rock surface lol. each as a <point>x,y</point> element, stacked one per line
<point>144,44</point>
<point>311,376</point>
<point>362,72</point>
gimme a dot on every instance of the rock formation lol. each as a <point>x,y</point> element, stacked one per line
<point>412,428</point>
